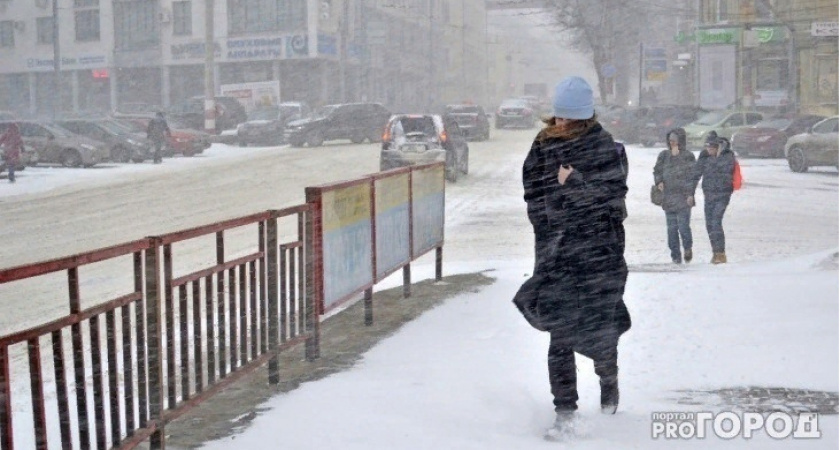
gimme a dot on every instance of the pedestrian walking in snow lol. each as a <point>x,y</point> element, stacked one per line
<point>673,174</point>
<point>158,132</point>
<point>12,145</point>
<point>715,166</point>
<point>574,187</point>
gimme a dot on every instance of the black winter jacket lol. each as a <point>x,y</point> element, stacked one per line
<point>677,174</point>
<point>716,173</point>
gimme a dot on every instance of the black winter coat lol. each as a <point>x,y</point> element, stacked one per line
<point>580,263</point>
<point>716,173</point>
<point>677,175</point>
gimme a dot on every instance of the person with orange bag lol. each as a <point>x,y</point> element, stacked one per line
<point>716,166</point>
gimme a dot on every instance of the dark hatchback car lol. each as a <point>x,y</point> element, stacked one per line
<point>353,121</point>
<point>265,126</point>
<point>412,139</point>
<point>124,145</point>
<point>471,119</point>
<point>625,124</point>
<point>515,112</point>
<point>768,137</point>
<point>654,122</point>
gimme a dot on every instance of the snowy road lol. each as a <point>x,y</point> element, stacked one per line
<point>65,211</point>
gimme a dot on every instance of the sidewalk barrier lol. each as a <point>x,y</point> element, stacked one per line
<point>182,334</point>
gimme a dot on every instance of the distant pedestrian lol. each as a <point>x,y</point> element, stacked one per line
<point>716,165</point>
<point>574,183</point>
<point>673,174</point>
<point>12,147</point>
<point>158,132</point>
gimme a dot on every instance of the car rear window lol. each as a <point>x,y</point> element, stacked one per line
<point>422,124</point>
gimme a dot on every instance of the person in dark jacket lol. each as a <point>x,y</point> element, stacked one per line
<point>574,188</point>
<point>157,132</point>
<point>715,166</point>
<point>674,175</point>
<point>12,145</point>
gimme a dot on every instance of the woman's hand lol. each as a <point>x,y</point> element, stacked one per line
<point>690,201</point>
<point>661,186</point>
<point>564,173</point>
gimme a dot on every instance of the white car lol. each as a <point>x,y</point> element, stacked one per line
<point>817,147</point>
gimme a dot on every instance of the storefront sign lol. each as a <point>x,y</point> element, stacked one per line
<point>718,36</point>
<point>255,48</point>
<point>192,50</point>
<point>824,29</point>
<point>69,62</point>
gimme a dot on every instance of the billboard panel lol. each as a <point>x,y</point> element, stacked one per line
<point>347,241</point>
<point>427,187</point>
<point>392,224</point>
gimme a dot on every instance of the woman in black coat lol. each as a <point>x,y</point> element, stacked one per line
<point>716,165</point>
<point>674,175</point>
<point>575,185</point>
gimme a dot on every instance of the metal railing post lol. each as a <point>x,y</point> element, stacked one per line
<point>155,348</point>
<point>273,298</point>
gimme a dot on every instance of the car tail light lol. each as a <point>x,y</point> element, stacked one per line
<point>386,135</point>
<point>443,137</point>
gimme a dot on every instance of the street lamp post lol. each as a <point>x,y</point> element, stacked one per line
<point>57,106</point>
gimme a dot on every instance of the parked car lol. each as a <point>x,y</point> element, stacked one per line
<point>816,147</point>
<point>191,113</point>
<point>181,140</point>
<point>411,139</point>
<point>123,145</point>
<point>54,144</point>
<point>625,123</point>
<point>471,119</point>
<point>517,112</point>
<point>724,123</point>
<point>353,121</point>
<point>768,137</point>
<point>658,120</point>
<point>266,125</point>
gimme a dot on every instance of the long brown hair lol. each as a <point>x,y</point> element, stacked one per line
<point>571,130</point>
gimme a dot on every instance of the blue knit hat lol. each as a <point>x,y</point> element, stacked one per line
<point>573,99</point>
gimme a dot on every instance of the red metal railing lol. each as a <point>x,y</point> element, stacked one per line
<point>183,337</point>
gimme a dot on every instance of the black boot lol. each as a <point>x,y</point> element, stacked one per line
<point>609,395</point>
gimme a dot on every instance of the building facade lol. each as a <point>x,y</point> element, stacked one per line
<point>777,56</point>
<point>402,53</point>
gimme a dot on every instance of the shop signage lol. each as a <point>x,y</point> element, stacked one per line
<point>255,48</point>
<point>69,62</point>
<point>824,29</point>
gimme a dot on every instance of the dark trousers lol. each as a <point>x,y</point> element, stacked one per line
<point>562,370</point>
<point>157,156</point>
<point>11,169</point>
<point>679,226</point>
<point>715,207</point>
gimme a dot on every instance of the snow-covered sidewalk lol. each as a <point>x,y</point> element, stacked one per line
<point>471,374</point>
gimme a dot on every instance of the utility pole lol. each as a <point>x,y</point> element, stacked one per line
<point>209,60</point>
<point>57,106</point>
<point>641,70</point>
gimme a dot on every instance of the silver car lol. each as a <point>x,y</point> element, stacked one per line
<point>817,147</point>
<point>54,144</point>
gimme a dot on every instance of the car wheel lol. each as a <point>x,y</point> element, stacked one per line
<point>71,158</point>
<point>374,137</point>
<point>137,159</point>
<point>296,143</point>
<point>357,139</point>
<point>315,139</point>
<point>120,154</point>
<point>797,161</point>
<point>243,144</point>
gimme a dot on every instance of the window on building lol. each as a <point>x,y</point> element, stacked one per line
<point>7,33</point>
<point>87,25</point>
<point>136,24</point>
<point>44,28</point>
<point>722,10</point>
<point>182,18</point>
<point>254,16</point>
<point>772,75</point>
<point>84,3</point>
